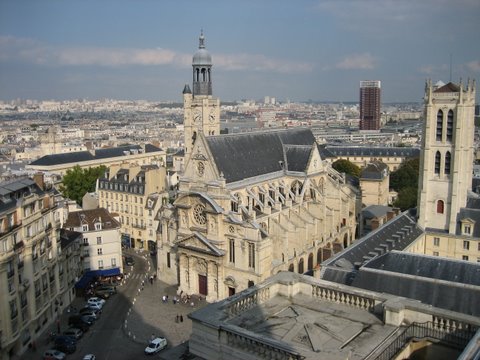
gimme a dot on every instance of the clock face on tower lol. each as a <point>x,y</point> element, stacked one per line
<point>211,117</point>
<point>197,116</point>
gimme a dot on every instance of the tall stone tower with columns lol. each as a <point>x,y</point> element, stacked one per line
<point>201,109</point>
<point>446,160</point>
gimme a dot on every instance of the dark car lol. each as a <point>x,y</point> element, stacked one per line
<point>65,344</point>
<point>129,260</point>
<point>76,319</point>
<point>80,324</point>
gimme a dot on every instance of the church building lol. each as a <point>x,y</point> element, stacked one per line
<point>249,205</point>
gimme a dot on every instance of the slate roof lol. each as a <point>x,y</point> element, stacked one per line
<point>245,155</point>
<point>466,213</point>
<point>374,151</point>
<point>376,170</point>
<point>396,234</point>
<point>450,87</point>
<point>441,282</point>
<point>67,237</point>
<point>78,218</point>
<point>80,156</point>
<point>297,157</point>
<point>325,153</point>
<point>373,211</point>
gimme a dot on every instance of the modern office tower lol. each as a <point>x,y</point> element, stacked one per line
<point>370,101</point>
<point>201,110</point>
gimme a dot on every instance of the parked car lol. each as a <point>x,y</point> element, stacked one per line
<point>77,319</point>
<point>94,306</point>
<point>102,294</point>
<point>65,344</point>
<point>112,289</point>
<point>89,357</point>
<point>53,355</point>
<point>73,332</point>
<point>80,324</point>
<point>156,345</point>
<point>90,312</point>
<point>96,300</point>
<point>129,260</point>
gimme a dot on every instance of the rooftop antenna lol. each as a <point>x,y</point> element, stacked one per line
<point>450,67</point>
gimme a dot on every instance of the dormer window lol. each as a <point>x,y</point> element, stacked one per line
<point>98,226</point>
<point>84,227</point>
<point>467,227</point>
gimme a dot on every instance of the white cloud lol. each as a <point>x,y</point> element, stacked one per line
<point>363,61</point>
<point>474,65</point>
<point>434,69</point>
<point>28,50</point>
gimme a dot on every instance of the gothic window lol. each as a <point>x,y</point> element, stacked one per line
<point>199,214</point>
<point>194,137</point>
<point>448,158</point>
<point>450,125</point>
<point>437,162</point>
<point>231,250</point>
<point>251,255</point>
<point>439,125</point>
<point>301,270</point>
<point>440,207</point>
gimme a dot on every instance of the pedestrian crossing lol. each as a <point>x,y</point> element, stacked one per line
<point>137,276</point>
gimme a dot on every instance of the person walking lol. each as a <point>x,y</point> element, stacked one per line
<point>181,318</point>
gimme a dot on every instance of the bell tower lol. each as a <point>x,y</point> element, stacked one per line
<point>446,160</point>
<point>201,109</point>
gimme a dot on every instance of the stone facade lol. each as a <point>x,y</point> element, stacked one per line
<point>135,193</point>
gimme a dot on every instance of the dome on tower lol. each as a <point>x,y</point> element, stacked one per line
<point>202,56</point>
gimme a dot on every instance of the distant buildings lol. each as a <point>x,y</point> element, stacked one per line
<point>370,102</point>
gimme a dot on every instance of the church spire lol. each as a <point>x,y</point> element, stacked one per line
<point>201,40</point>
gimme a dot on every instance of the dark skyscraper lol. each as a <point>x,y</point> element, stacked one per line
<point>370,105</point>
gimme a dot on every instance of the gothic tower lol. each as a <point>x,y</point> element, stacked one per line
<point>201,109</point>
<point>446,160</point>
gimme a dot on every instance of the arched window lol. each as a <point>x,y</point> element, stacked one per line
<point>440,207</point>
<point>437,162</point>
<point>203,75</point>
<point>300,267</point>
<point>310,262</point>
<point>290,268</point>
<point>448,159</point>
<point>198,74</point>
<point>439,125</point>
<point>450,125</point>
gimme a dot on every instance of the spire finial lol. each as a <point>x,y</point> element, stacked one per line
<point>201,40</point>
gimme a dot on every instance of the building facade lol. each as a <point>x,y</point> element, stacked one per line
<point>37,266</point>
<point>374,184</point>
<point>101,240</point>
<point>370,103</point>
<point>135,154</point>
<point>134,193</point>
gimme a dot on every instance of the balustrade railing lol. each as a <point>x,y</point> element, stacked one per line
<point>447,331</point>
<point>248,302</point>
<point>260,348</point>
<point>340,297</point>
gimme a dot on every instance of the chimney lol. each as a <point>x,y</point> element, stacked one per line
<point>39,180</point>
<point>390,215</point>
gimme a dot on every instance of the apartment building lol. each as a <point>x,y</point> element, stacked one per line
<point>135,193</point>
<point>37,263</point>
<point>101,241</point>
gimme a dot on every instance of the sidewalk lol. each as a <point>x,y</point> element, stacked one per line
<point>150,316</point>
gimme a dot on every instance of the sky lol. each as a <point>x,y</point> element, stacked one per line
<point>294,50</point>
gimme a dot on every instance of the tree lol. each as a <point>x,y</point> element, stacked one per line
<point>407,198</point>
<point>77,182</point>
<point>346,166</point>
<point>406,175</point>
<point>405,182</point>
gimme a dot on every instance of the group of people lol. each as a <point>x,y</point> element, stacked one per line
<point>185,299</point>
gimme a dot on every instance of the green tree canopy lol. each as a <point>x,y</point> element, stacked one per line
<point>406,175</point>
<point>405,181</point>
<point>346,166</point>
<point>77,182</point>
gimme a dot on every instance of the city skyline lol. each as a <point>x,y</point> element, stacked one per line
<point>302,50</point>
